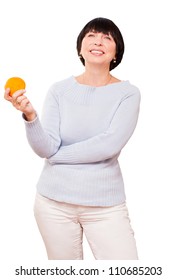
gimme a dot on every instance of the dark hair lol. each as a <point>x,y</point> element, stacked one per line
<point>106,26</point>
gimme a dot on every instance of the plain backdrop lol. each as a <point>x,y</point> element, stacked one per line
<point>38,43</point>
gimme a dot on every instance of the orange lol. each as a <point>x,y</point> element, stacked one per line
<point>15,83</point>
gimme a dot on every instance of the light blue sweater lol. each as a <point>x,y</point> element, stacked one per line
<point>81,134</point>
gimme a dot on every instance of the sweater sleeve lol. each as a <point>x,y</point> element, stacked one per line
<point>107,144</point>
<point>43,136</point>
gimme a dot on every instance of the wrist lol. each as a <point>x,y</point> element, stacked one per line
<point>30,117</point>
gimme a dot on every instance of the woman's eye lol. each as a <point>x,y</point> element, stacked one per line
<point>107,37</point>
<point>91,35</point>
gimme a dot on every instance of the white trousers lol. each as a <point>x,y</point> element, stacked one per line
<point>107,230</point>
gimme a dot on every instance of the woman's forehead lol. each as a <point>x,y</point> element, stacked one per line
<point>99,31</point>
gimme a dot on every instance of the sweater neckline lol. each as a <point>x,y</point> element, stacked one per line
<point>98,87</point>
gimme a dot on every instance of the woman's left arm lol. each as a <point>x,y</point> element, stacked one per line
<point>107,144</point>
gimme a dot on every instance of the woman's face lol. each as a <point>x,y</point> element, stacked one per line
<point>98,48</point>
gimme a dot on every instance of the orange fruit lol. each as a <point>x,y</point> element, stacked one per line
<point>15,83</point>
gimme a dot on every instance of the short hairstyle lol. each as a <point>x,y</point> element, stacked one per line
<point>106,26</point>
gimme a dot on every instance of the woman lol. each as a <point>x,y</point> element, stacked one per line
<point>86,122</point>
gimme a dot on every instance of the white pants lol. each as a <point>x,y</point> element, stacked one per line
<point>107,230</point>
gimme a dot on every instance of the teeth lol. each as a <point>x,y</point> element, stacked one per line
<point>96,52</point>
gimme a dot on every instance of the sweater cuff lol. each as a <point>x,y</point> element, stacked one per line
<point>34,130</point>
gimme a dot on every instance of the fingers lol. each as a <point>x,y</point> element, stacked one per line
<point>10,98</point>
<point>23,102</point>
<point>16,98</point>
<point>18,93</point>
<point>20,101</point>
<point>6,94</point>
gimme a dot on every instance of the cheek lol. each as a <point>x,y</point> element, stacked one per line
<point>113,50</point>
<point>83,47</point>
<point>86,42</point>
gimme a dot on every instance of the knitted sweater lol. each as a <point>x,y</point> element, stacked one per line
<point>81,134</point>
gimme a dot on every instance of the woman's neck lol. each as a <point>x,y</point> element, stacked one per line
<point>96,78</point>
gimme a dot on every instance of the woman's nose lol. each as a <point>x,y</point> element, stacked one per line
<point>98,41</point>
<point>97,44</point>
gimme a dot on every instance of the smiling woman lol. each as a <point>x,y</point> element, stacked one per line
<point>86,122</point>
<point>98,45</point>
<point>109,31</point>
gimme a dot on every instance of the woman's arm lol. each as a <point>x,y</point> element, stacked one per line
<point>107,144</point>
<point>44,137</point>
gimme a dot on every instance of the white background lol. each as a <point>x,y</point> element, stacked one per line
<point>38,43</point>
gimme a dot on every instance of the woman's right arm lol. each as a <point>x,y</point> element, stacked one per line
<point>43,138</point>
<point>107,144</point>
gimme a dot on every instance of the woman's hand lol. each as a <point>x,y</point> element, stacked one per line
<point>21,103</point>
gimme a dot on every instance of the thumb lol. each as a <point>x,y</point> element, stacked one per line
<point>7,94</point>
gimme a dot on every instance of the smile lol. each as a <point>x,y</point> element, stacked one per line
<point>97,52</point>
